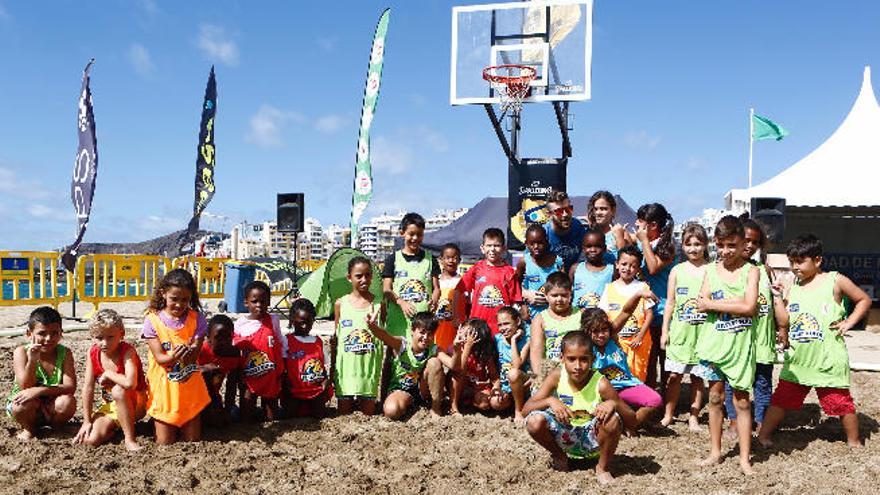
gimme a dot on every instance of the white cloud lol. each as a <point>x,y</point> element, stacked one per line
<point>45,212</point>
<point>390,156</point>
<point>140,59</point>
<point>327,43</point>
<point>12,186</point>
<point>215,45</point>
<point>329,124</point>
<point>4,14</point>
<point>641,140</point>
<point>695,163</point>
<point>149,6</point>
<point>432,139</point>
<point>155,224</point>
<point>267,125</point>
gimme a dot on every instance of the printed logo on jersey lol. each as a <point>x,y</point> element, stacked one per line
<point>312,371</point>
<point>763,305</point>
<point>490,297</point>
<point>612,373</point>
<point>346,323</point>
<point>689,313</point>
<point>359,341</point>
<point>166,346</point>
<point>568,400</point>
<point>257,363</point>
<point>401,274</point>
<point>444,309</point>
<point>681,291</point>
<point>717,295</point>
<point>410,379</point>
<point>552,344</point>
<point>613,307</point>
<point>806,329</point>
<point>732,324</point>
<point>794,307</point>
<point>181,373</point>
<point>414,291</point>
<point>588,300</point>
<point>505,369</point>
<point>533,279</point>
<point>630,328</point>
<point>481,279</point>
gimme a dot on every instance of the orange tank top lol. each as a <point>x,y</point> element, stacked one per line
<point>177,393</point>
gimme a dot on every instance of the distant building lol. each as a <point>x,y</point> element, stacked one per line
<point>442,218</point>
<point>337,237</point>
<point>708,220</point>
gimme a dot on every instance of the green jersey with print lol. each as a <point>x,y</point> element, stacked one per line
<point>765,321</point>
<point>407,367</point>
<point>686,320</point>
<point>358,352</point>
<point>555,329</point>
<point>412,283</point>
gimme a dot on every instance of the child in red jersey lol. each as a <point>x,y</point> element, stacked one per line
<point>307,376</point>
<point>258,336</point>
<point>218,361</point>
<point>475,380</point>
<point>491,283</point>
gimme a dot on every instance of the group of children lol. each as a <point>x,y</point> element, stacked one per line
<point>569,352</point>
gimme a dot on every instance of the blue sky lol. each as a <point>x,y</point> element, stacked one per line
<point>672,84</point>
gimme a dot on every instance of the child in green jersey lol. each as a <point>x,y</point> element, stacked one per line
<point>44,380</point>
<point>550,325</point>
<point>726,342</point>
<point>576,412</point>
<point>356,354</point>
<point>417,367</point>
<point>817,356</point>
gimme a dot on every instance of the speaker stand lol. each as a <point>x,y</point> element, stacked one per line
<point>294,290</point>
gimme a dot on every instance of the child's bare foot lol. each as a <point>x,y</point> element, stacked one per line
<point>519,419</point>
<point>694,424</point>
<point>560,463</point>
<point>25,435</point>
<point>666,421</point>
<point>132,446</point>
<point>731,434</point>
<point>746,468</point>
<point>855,443</point>
<point>455,412</point>
<point>436,414</point>
<point>604,478</point>
<point>712,460</point>
<point>765,442</point>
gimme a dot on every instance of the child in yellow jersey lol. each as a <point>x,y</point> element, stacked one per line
<point>576,412</point>
<point>634,337</point>
<point>550,325</point>
<point>452,306</point>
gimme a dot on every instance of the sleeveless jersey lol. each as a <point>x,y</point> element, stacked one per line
<point>555,329</point>
<point>611,363</point>
<point>817,356</point>
<point>610,248</point>
<point>176,394</point>
<point>306,371</point>
<point>686,320</point>
<point>765,321</point>
<point>407,368</point>
<point>44,379</point>
<point>582,402</point>
<point>262,360</point>
<point>98,368</point>
<point>445,333</point>
<point>589,285</point>
<point>726,340</point>
<point>358,352</point>
<point>534,278</point>
<point>614,299</point>
<point>658,282</point>
<point>412,283</point>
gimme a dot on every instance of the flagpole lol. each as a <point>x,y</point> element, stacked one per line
<point>751,141</point>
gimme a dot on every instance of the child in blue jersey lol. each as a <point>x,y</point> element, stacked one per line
<point>576,412</point>
<point>512,343</point>
<point>600,212</point>
<point>534,268</point>
<point>590,277</point>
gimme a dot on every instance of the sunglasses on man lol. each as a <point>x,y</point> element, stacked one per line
<point>562,211</point>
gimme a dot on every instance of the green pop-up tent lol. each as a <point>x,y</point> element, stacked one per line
<point>328,283</point>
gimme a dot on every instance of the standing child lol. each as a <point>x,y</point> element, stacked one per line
<point>634,336</point>
<point>410,277</point>
<point>600,212</point>
<point>534,268</point>
<point>491,282</point>
<point>575,413</point>
<point>357,356</point>
<point>817,357</point>
<point>475,379</point>
<point>263,349</point>
<point>416,369</point>
<point>220,361</point>
<point>512,344</point>
<point>726,342</point>
<point>45,379</point>
<point>115,366</point>
<point>681,324</point>
<point>174,330</point>
<point>307,376</point>
<point>552,324</point>
<point>590,277</point>
<point>451,307</point>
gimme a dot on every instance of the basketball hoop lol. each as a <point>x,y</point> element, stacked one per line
<point>512,82</point>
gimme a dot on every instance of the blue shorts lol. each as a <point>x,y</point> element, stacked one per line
<point>711,373</point>
<point>576,441</point>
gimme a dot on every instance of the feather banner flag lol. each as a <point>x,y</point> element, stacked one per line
<point>205,156</point>
<point>85,167</point>
<point>363,170</point>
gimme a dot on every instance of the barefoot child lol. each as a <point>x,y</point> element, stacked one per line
<point>590,277</point>
<point>635,336</point>
<point>574,413</point>
<point>817,357</point>
<point>220,361</point>
<point>174,330</point>
<point>357,355</point>
<point>115,366</point>
<point>416,369</point>
<point>534,268</point>
<point>681,324</point>
<point>475,379</point>
<point>729,296</point>
<point>263,349</point>
<point>451,307</point>
<point>45,379</point>
<point>512,344</point>
<point>308,381</point>
<point>491,282</point>
<point>552,324</point>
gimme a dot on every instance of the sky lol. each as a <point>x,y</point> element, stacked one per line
<point>672,84</point>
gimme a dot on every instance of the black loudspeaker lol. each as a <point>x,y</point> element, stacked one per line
<point>291,209</point>
<point>770,214</point>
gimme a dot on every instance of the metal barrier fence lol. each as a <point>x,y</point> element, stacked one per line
<point>118,277</point>
<point>33,277</point>
<point>209,273</point>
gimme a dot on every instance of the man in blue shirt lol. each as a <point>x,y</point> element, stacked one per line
<point>564,232</point>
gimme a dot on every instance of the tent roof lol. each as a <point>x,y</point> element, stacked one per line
<point>842,171</point>
<point>467,230</point>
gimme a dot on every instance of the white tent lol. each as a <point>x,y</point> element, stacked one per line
<point>842,171</point>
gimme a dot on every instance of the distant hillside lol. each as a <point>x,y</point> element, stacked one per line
<point>167,245</point>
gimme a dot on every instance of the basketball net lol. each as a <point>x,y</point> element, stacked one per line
<point>512,83</point>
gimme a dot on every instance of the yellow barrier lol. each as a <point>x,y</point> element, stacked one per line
<point>32,277</point>
<point>209,273</point>
<point>118,277</point>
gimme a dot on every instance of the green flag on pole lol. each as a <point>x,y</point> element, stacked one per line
<point>363,173</point>
<point>764,128</point>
